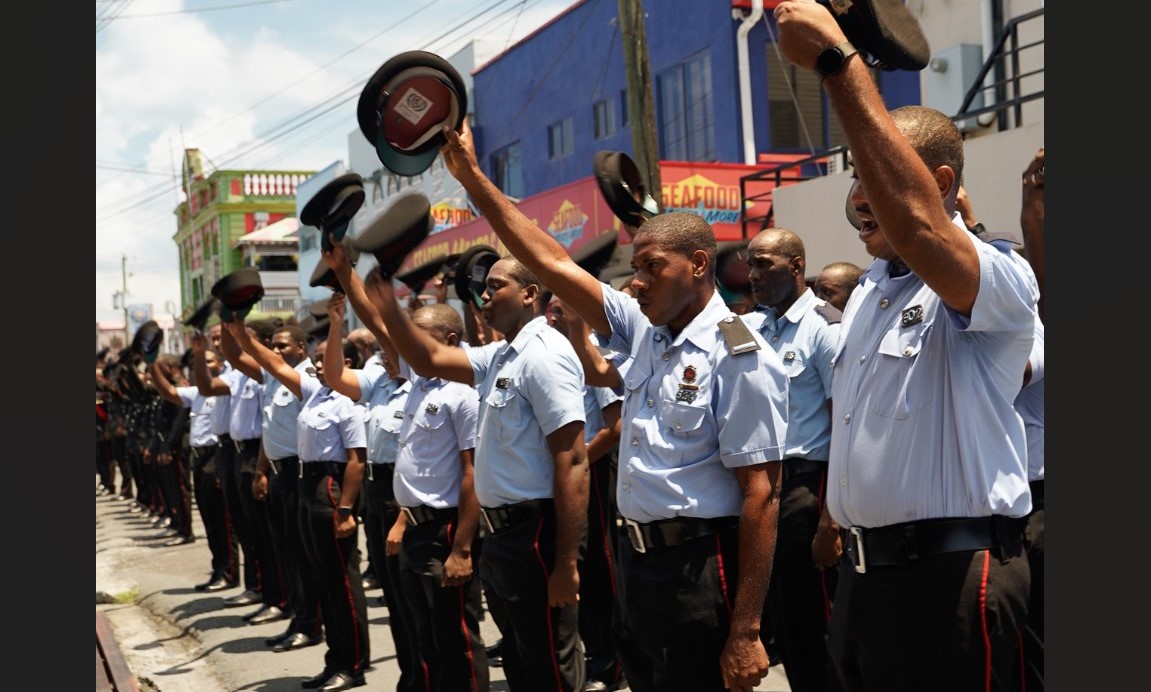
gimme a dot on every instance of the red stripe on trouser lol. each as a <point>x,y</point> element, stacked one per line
<point>983,619</point>
<point>719,566</point>
<point>347,584</point>
<point>547,609</point>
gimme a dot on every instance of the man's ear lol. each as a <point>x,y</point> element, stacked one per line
<point>946,181</point>
<point>453,339</point>
<point>699,263</point>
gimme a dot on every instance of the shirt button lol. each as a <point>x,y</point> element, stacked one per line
<point>635,442</point>
<point>843,482</point>
<point>847,419</point>
<point>861,359</point>
<point>884,303</point>
<point>774,338</point>
<point>666,357</point>
<point>907,351</point>
<point>678,425</point>
<point>650,403</point>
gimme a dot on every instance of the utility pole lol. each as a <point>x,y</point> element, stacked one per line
<point>640,103</point>
<point>124,296</point>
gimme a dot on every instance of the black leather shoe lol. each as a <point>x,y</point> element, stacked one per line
<point>495,657</point>
<point>248,597</point>
<point>369,582</point>
<point>180,540</point>
<point>283,636</point>
<point>318,681</point>
<point>299,640</point>
<point>268,614</point>
<point>342,681</point>
<point>203,586</point>
<point>260,611</point>
<point>220,583</point>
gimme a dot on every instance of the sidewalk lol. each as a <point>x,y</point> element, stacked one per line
<point>176,639</point>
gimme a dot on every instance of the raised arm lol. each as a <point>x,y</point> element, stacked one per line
<point>538,251</point>
<point>264,356</point>
<point>424,355</point>
<point>164,388</point>
<point>902,195</point>
<point>598,371</point>
<point>1031,220</point>
<point>236,355</point>
<point>205,382</point>
<point>339,378</point>
<point>337,260</point>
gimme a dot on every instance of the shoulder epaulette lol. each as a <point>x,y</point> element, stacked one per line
<point>737,336</point>
<point>987,236</point>
<point>832,314</point>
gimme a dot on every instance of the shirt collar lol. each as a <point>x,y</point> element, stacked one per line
<point>701,329</point>
<point>528,331</point>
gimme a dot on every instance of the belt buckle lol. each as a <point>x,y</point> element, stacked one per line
<point>858,555</point>
<point>635,535</point>
<point>369,465</point>
<point>239,447</point>
<point>301,465</point>
<point>272,465</point>
<point>487,520</point>
<point>411,517</point>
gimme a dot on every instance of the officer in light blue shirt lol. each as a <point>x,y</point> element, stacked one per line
<point>803,330</point>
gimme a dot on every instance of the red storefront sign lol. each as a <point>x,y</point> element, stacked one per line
<point>575,213</point>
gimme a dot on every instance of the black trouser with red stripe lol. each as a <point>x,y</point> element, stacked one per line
<point>541,645</point>
<point>798,604</point>
<point>598,600</point>
<point>446,619</point>
<point>950,622</point>
<point>336,567</point>
<point>173,483</point>
<point>213,513</point>
<point>301,590</point>
<point>380,514</point>
<point>675,606</point>
<point>273,586</point>
<point>228,468</point>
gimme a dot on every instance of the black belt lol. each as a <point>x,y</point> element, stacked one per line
<point>371,473</point>
<point>312,469</point>
<point>499,518</point>
<point>252,444</point>
<point>796,467</point>
<point>423,513</point>
<point>674,532</point>
<point>203,452</point>
<point>901,544</point>
<point>284,464</point>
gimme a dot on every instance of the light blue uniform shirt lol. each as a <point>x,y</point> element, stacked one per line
<point>247,406</point>
<point>221,415</point>
<point>1029,404</point>
<point>924,424</point>
<point>440,420</point>
<point>805,342</point>
<point>329,424</point>
<point>528,389</point>
<point>692,413</point>
<point>595,400</point>
<point>383,401</point>
<point>281,408</point>
<point>199,416</point>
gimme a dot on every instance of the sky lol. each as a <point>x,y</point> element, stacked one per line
<point>252,84</point>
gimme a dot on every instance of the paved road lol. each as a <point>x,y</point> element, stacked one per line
<point>176,639</point>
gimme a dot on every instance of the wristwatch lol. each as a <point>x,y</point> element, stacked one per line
<point>832,59</point>
<point>344,512</point>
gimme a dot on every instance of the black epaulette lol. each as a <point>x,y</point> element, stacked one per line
<point>832,314</point>
<point>737,336</point>
<point>987,236</point>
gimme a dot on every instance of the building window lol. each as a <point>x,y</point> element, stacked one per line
<point>686,127</point>
<point>560,139</point>
<point>624,120</point>
<point>604,114</point>
<point>800,115</point>
<point>508,171</point>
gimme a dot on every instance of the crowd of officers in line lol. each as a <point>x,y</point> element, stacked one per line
<point>645,486</point>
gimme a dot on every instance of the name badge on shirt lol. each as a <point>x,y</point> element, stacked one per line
<point>686,395</point>
<point>790,355</point>
<point>397,414</point>
<point>433,409</point>
<point>912,315</point>
<point>502,383</point>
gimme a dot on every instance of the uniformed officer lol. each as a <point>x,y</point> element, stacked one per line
<point>530,467</point>
<point>168,453</point>
<point>382,393</point>
<point>704,421</point>
<point>928,467</point>
<point>803,330</point>
<point>222,462</point>
<point>282,365</point>
<point>836,282</point>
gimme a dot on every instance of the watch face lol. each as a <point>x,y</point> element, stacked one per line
<point>829,61</point>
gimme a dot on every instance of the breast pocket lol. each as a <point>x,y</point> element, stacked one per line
<point>507,411</point>
<point>898,391</point>
<point>793,363</point>
<point>325,433</point>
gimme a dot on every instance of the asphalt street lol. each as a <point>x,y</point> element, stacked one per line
<point>176,639</point>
